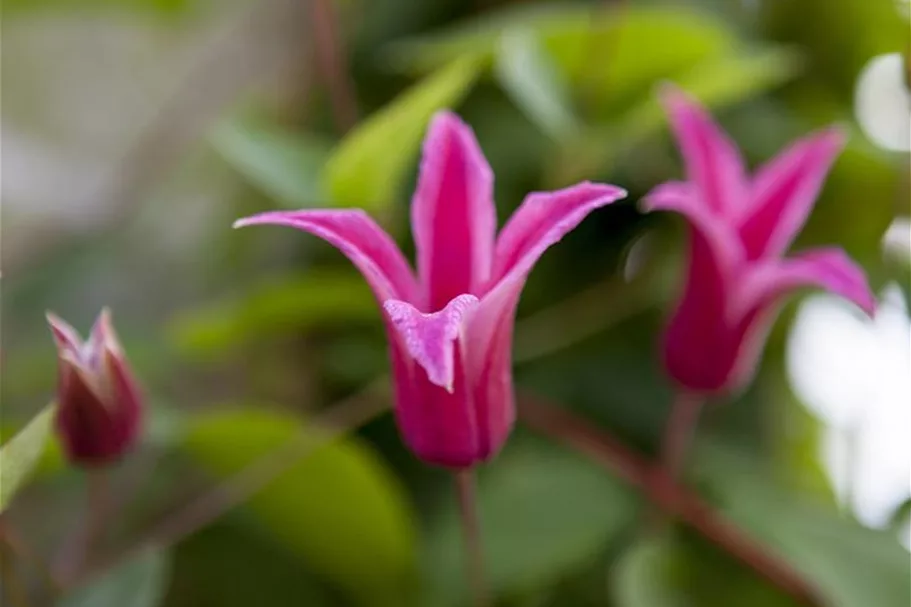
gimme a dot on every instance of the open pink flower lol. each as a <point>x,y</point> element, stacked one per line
<point>741,228</point>
<point>450,328</point>
<point>99,406</point>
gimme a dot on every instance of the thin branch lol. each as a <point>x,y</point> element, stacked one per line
<point>566,428</point>
<point>12,586</point>
<point>679,431</point>
<point>18,546</point>
<point>78,549</point>
<point>341,419</point>
<point>471,532</point>
<point>332,63</point>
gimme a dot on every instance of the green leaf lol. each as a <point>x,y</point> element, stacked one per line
<point>645,575</point>
<point>634,45</point>
<point>852,566</point>
<point>22,453</point>
<point>368,166</point>
<point>231,564</point>
<point>282,164</point>
<point>339,508</point>
<point>533,81</point>
<point>139,582</point>
<point>161,7</point>
<point>317,299</point>
<point>544,512</point>
<point>717,83</point>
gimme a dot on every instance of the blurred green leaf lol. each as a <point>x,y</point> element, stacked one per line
<point>339,507</point>
<point>230,564</point>
<point>22,453</point>
<point>533,81</point>
<point>282,164</point>
<point>850,565</point>
<point>163,7</point>
<point>645,575</point>
<point>276,307</point>
<point>716,83</point>
<point>613,54</point>
<point>139,582</point>
<point>544,512</point>
<point>368,166</point>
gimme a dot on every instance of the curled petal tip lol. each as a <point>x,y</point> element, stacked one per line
<point>430,338</point>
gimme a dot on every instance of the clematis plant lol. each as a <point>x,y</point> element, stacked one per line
<point>99,405</point>
<point>740,230</point>
<point>450,327</point>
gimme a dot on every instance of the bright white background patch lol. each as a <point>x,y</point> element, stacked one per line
<point>882,103</point>
<point>856,377</point>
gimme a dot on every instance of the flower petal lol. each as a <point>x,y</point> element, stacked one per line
<point>542,220</point>
<point>828,268</point>
<point>682,198</point>
<point>360,239</point>
<point>65,336</point>
<point>784,192</point>
<point>430,338</point>
<point>713,163</point>
<point>453,216</point>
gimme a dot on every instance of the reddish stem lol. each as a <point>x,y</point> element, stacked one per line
<point>332,63</point>
<point>679,432</point>
<point>471,529</point>
<point>662,490</point>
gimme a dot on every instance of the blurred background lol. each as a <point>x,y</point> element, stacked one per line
<point>135,131</point>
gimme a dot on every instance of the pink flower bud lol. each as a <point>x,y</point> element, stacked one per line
<point>99,407</point>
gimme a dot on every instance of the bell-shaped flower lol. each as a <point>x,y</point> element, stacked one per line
<point>450,327</point>
<point>99,406</point>
<point>740,229</point>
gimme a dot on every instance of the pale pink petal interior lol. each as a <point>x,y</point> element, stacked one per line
<point>430,338</point>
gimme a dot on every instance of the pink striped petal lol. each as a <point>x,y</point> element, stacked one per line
<point>65,336</point>
<point>713,163</point>
<point>784,192</point>
<point>680,197</point>
<point>542,220</point>
<point>829,268</point>
<point>452,214</point>
<point>430,338</point>
<point>360,239</point>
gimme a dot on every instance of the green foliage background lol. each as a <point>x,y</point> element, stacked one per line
<point>243,338</point>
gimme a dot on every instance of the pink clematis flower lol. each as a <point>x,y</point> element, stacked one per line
<point>740,229</point>
<point>450,328</point>
<point>99,405</point>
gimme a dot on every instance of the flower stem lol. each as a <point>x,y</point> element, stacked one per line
<point>603,449</point>
<point>471,531</point>
<point>679,432</point>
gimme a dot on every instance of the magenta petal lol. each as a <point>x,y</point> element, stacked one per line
<point>542,220</point>
<point>452,214</point>
<point>681,197</point>
<point>713,163</point>
<point>829,268</point>
<point>429,338</point>
<point>699,345</point>
<point>66,337</point>
<point>784,192</point>
<point>360,239</point>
